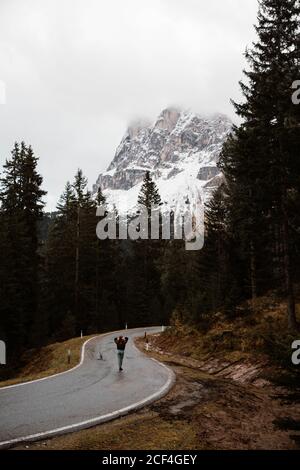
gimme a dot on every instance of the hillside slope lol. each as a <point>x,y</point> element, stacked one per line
<point>235,389</point>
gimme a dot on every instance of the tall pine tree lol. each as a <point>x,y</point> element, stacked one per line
<point>260,162</point>
<point>21,210</point>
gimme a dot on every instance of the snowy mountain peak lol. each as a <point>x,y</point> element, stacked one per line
<point>181,150</point>
<point>167,120</point>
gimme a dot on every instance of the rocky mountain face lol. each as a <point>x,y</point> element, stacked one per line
<point>181,150</point>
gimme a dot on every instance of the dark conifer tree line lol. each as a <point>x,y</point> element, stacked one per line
<point>257,207</point>
<point>21,198</point>
<point>58,279</point>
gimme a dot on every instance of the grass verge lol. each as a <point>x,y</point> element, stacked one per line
<point>220,400</point>
<point>48,360</point>
<point>202,411</point>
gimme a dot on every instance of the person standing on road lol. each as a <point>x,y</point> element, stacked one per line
<point>121,344</point>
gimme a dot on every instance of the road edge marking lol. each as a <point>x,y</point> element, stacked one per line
<point>64,371</point>
<point>103,418</point>
<point>53,375</point>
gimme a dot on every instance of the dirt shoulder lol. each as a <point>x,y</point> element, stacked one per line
<point>204,410</point>
<point>231,403</point>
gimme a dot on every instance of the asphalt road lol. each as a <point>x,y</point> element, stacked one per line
<point>93,392</point>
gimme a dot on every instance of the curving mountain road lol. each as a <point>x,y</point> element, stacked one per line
<point>91,393</point>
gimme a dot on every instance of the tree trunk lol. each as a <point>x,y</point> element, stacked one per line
<point>253,272</point>
<point>77,264</point>
<point>291,309</point>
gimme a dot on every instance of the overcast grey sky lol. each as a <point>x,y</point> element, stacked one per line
<point>78,71</point>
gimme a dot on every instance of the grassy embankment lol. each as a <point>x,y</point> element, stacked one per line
<point>257,333</point>
<point>235,389</point>
<point>49,360</point>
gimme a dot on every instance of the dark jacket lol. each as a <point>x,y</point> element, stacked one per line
<point>121,343</point>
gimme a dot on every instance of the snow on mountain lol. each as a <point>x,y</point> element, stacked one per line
<point>181,150</point>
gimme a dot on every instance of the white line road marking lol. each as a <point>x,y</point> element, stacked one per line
<point>54,375</point>
<point>65,371</point>
<point>99,419</point>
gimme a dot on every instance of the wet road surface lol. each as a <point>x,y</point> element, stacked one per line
<point>92,393</point>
